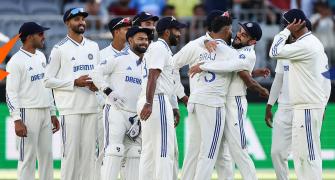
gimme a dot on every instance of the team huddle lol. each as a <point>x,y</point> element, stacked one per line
<point>118,106</point>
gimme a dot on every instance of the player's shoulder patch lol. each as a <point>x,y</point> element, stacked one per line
<point>63,41</point>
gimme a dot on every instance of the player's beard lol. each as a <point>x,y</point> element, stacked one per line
<point>238,45</point>
<point>140,48</point>
<point>80,29</point>
<point>174,40</point>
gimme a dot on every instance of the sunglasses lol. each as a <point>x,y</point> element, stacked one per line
<point>123,21</point>
<point>75,12</point>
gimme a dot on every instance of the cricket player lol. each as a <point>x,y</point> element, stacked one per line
<point>118,27</point>
<point>31,105</point>
<point>121,119</point>
<point>71,62</point>
<point>146,20</point>
<point>244,41</point>
<point>190,55</point>
<point>282,123</point>
<point>308,91</point>
<point>154,105</point>
<point>215,92</point>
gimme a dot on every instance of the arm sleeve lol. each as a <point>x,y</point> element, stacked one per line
<point>52,70</point>
<point>155,59</point>
<point>179,88</point>
<point>275,88</point>
<point>174,101</point>
<point>12,90</point>
<point>184,56</point>
<point>225,66</point>
<point>104,68</point>
<point>280,50</point>
<point>52,104</point>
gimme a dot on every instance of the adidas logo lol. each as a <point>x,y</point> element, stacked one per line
<point>30,68</point>
<point>73,59</point>
<point>129,68</point>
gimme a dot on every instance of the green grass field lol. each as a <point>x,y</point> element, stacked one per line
<point>10,174</point>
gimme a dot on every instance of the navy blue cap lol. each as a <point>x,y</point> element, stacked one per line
<point>167,23</point>
<point>29,28</point>
<point>308,24</point>
<point>118,22</point>
<point>253,29</point>
<point>292,14</point>
<point>73,12</point>
<point>144,16</point>
<point>212,15</point>
<point>136,29</point>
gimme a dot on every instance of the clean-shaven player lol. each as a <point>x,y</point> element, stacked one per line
<point>236,105</point>
<point>31,105</point>
<point>121,119</point>
<point>154,106</point>
<point>71,62</point>
<point>192,54</point>
<point>282,125</point>
<point>308,91</point>
<point>118,27</point>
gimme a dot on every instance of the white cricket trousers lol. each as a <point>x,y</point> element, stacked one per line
<point>158,140</point>
<point>306,139</point>
<point>205,131</point>
<point>224,165</point>
<point>78,146</point>
<point>234,133</point>
<point>116,124</point>
<point>281,142</point>
<point>99,146</point>
<point>38,143</point>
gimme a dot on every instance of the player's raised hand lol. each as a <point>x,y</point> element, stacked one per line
<point>176,116</point>
<point>296,25</point>
<point>195,70</point>
<point>210,45</point>
<point>55,124</point>
<point>146,111</point>
<point>83,81</point>
<point>265,72</point>
<point>20,128</point>
<point>268,115</point>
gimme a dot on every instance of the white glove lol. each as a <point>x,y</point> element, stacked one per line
<point>118,102</point>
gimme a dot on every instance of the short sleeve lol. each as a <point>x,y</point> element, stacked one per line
<point>157,57</point>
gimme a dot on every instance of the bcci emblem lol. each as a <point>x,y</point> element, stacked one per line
<point>90,56</point>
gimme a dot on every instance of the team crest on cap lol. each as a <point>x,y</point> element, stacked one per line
<point>90,56</point>
<point>249,25</point>
<point>173,18</point>
<point>148,14</point>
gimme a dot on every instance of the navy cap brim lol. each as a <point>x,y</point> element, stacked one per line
<point>133,32</point>
<point>245,28</point>
<point>84,14</point>
<point>154,18</point>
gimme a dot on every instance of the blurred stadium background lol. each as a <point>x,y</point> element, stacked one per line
<point>267,12</point>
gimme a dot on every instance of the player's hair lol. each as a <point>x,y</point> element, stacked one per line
<point>219,22</point>
<point>23,39</point>
<point>160,34</point>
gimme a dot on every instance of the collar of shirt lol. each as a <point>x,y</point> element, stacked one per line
<point>208,36</point>
<point>306,34</point>
<point>28,53</point>
<point>76,43</point>
<point>220,40</point>
<point>247,47</point>
<point>166,45</point>
<point>135,56</point>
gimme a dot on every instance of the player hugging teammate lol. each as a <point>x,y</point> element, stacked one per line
<point>119,106</point>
